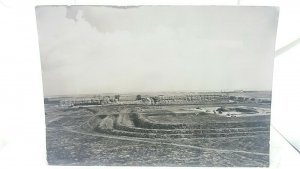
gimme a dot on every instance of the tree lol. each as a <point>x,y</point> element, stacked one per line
<point>155,99</point>
<point>240,99</point>
<point>138,97</point>
<point>232,97</point>
<point>117,97</point>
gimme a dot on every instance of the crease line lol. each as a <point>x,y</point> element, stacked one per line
<point>287,47</point>
<point>285,138</point>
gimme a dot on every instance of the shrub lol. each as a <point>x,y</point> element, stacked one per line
<point>138,97</point>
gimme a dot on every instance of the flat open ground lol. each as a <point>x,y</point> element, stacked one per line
<point>174,135</point>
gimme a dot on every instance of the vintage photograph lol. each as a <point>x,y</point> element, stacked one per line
<point>157,85</point>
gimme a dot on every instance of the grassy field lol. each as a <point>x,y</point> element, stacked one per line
<point>154,136</point>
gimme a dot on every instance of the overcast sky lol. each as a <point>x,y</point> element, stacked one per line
<point>94,49</point>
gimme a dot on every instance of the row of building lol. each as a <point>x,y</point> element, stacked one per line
<point>158,100</point>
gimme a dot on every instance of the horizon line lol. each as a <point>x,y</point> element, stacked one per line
<point>148,92</point>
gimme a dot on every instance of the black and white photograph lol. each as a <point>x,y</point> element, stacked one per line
<point>157,85</point>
